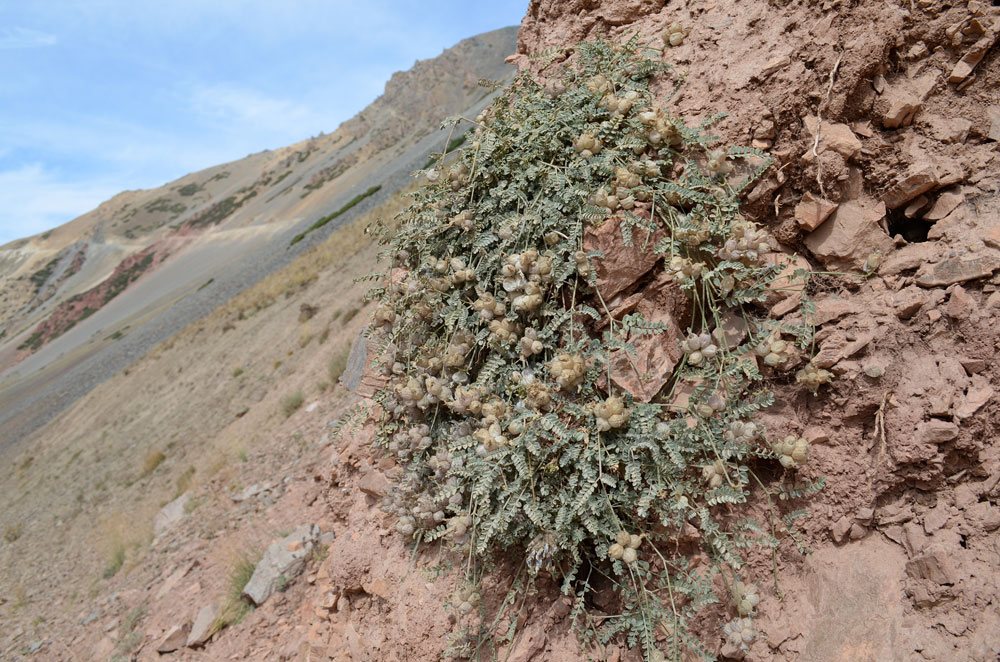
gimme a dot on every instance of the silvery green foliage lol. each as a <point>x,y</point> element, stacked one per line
<point>497,404</point>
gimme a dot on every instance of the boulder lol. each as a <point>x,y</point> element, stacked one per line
<point>357,361</point>
<point>282,561</point>
<point>174,638</point>
<point>850,236</point>
<point>169,515</point>
<point>204,625</point>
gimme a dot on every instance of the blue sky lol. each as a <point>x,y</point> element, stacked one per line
<point>99,96</point>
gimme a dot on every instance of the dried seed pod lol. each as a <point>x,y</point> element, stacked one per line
<point>616,551</point>
<point>568,370</point>
<point>610,414</point>
<point>813,376</point>
<point>740,633</point>
<point>673,35</point>
<point>629,555</point>
<point>746,598</point>
<point>714,474</point>
<point>792,451</point>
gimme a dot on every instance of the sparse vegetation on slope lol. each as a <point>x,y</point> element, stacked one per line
<point>334,215</point>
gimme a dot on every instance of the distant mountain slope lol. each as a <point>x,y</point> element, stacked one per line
<point>152,261</point>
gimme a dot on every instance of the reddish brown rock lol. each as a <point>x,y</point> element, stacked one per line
<point>621,265</point>
<point>936,431</point>
<point>907,302</point>
<point>933,566</point>
<point>202,629</point>
<point>920,178</point>
<point>949,129</point>
<point>944,205</point>
<point>901,101</point>
<point>644,374</point>
<point>978,395</point>
<point>374,484</point>
<point>174,639</point>
<point>836,137</point>
<point>851,235</point>
<point>957,270</point>
<point>964,67</point>
<point>960,304</point>
<point>812,211</point>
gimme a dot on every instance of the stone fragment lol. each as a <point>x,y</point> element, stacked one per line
<point>915,206</point>
<point>374,484</point>
<point>920,178</point>
<point>991,237</point>
<point>791,280</point>
<point>949,172</point>
<point>907,302</point>
<point>934,566</point>
<point>174,638</point>
<point>732,330</point>
<point>978,395</point>
<point>994,131</point>
<point>840,529</point>
<point>836,137</point>
<point>985,514</point>
<point>379,587</point>
<point>280,564</point>
<point>898,107</point>
<point>832,308</point>
<point>774,64</point>
<point>357,361</point>
<point>973,366</point>
<point>949,129</point>
<point>645,373</point>
<point>963,69</point>
<point>864,516</point>
<point>960,304</point>
<point>201,631</point>
<point>936,518</point>
<point>850,236</point>
<point>936,431</point>
<point>812,211</point>
<point>622,265</point>
<point>910,256</point>
<point>944,205</point>
<point>249,492</point>
<point>857,531</point>
<point>957,270</point>
<point>169,515</point>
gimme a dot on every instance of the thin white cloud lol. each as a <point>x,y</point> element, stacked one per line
<point>36,200</point>
<point>18,37</point>
<point>234,103</point>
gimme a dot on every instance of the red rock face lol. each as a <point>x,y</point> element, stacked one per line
<point>83,305</point>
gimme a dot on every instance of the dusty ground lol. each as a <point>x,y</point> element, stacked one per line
<point>904,540</point>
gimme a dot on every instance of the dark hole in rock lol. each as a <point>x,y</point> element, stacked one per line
<point>913,229</point>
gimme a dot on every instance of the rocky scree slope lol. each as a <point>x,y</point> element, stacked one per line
<point>205,237</point>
